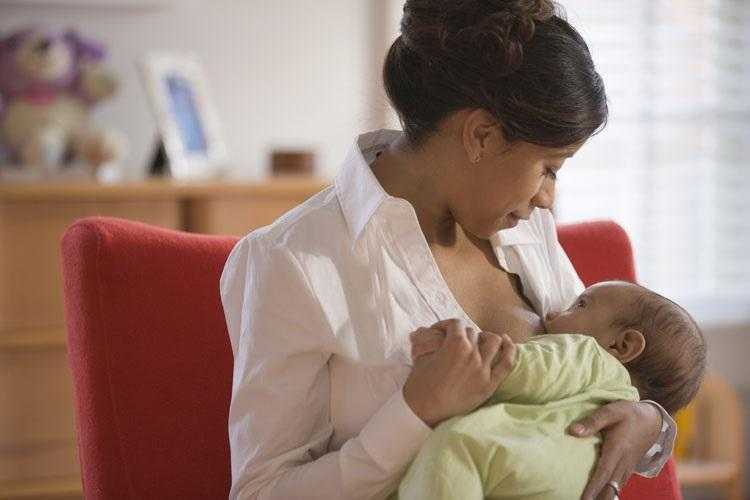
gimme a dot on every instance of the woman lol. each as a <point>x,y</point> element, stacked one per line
<point>445,226</point>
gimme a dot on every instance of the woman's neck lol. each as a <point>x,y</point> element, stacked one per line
<point>417,176</point>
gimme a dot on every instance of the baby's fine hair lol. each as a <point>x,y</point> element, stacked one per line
<point>671,367</point>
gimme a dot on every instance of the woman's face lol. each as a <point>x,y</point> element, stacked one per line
<point>507,182</point>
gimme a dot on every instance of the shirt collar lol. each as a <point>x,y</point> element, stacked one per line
<point>360,194</point>
<point>524,233</point>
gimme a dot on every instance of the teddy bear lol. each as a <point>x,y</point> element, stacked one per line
<point>49,81</point>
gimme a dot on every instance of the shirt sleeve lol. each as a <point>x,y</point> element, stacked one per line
<point>655,458</point>
<point>279,416</point>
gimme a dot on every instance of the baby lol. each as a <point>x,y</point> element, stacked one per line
<point>624,341</point>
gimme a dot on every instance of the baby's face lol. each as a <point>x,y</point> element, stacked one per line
<point>593,311</point>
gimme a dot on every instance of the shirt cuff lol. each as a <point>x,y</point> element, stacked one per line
<point>655,458</point>
<point>394,435</point>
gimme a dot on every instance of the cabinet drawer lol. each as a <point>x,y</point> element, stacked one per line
<point>30,277</point>
<point>37,432</point>
<point>237,216</point>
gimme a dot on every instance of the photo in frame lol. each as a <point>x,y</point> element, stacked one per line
<point>188,125</point>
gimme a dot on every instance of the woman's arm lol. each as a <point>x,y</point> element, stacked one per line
<point>279,419</point>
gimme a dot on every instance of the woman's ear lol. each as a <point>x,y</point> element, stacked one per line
<point>628,345</point>
<point>479,127</point>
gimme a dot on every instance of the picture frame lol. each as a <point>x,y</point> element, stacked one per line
<point>186,118</point>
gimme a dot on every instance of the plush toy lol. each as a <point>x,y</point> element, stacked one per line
<point>48,84</point>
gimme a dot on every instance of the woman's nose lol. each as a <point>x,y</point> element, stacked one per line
<point>545,197</point>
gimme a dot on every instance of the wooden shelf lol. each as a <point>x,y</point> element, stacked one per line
<point>54,488</point>
<point>33,339</point>
<point>275,187</point>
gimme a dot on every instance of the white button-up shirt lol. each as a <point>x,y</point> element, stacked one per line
<point>319,306</point>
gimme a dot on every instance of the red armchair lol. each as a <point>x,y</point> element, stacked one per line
<point>152,364</point>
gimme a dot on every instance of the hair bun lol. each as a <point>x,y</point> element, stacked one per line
<point>459,30</point>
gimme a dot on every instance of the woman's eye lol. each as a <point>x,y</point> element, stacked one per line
<point>551,174</point>
<point>581,303</point>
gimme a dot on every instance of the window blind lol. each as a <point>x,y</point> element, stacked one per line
<point>672,165</point>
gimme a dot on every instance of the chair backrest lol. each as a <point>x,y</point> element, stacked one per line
<point>150,359</point>
<point>152,364</point>
<point>601,251</point>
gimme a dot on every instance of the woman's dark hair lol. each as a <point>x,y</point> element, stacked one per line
<point>519,60</point>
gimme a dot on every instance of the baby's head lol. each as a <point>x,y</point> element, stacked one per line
<point>658,341</point>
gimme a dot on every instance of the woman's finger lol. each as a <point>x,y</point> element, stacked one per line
<point>489,346</point>
<point>447,325</point>
<point>425,347</point>
<point>620,476</point>
<point>426,335</point>
<point>473,336</point>
<point>454,329</point>
<point>505,359</point>
<point>596,422</point>
<point>605,469</point>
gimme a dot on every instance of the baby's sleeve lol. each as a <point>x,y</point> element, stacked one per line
<point>555,367</point>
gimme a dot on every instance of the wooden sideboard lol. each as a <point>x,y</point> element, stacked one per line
<point>37,440</point>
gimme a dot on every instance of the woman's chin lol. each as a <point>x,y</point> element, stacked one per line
<point>485,232</point>
<point>507,222</point>
<point>511,221</point>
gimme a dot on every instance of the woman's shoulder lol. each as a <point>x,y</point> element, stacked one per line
<point>291,246</point>
<point>315,226</point>
<point>317,219</point>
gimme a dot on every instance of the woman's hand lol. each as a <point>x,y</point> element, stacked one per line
<point>459,375</point>
<point>628,431</point>
<point>425,341</point>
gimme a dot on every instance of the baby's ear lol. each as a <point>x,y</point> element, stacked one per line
<point>629,345</point>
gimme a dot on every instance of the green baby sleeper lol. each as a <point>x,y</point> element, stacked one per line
<point>516,445</point>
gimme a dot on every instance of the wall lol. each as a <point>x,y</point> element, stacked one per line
<point>729,347</point>
<point>282,72</point>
